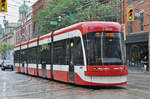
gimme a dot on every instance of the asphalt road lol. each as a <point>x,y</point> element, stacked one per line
<point>19,86</point>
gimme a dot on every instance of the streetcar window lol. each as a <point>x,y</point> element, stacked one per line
<point>78,53</point>
<point>112,50</point>
<point>16,56</point>
<point>103,50</point>
<point>60,52</point>
<point>45,54</point>
<point>22,55</point>
<point>32,55</point>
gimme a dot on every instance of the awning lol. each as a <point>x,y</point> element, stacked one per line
<point>137,37</point>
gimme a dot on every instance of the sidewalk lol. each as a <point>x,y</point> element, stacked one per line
<point>139,74</point>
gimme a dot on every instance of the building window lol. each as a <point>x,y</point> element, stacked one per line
<point>129,2</point>
<point>141,24</point>
<point>130,27</point>
<point>31,32</point>
<point>140,1</point>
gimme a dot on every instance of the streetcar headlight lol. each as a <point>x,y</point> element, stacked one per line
<point>100,68</point>
<point>95,68</point>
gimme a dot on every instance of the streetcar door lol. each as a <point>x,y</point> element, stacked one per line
<point>23,61</point>
<point>23,69</point>
<point>71,61</point>
<point>43,70</point>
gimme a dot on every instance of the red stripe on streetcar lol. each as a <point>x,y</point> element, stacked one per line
<point>45,37</point>
<point>33,40</point>
<point>106,70</point>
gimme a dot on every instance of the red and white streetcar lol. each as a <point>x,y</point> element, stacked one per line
<point>87,53</point>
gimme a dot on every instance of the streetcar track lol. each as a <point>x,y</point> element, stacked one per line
<point>47,91</point>
<point>29,87</point>
<point>37,92</point>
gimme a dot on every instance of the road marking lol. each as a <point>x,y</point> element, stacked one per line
<point>4,88</point>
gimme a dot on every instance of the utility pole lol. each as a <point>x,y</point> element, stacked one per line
<point>149,39</point>
<point>118,9</point>
<point>4,21</point>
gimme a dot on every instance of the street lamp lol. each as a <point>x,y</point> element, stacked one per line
<point>59,18</point>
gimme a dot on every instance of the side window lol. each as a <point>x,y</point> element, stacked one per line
<point>60,52</point>
<point>130,2</point>
<point>45,54</point>
<point>67,51</point>
<point>32,55</point>
<point>29,56</point>
<point>16,57</point>
<point>141,22</point>
<point>78,52</point>
<point>28,53</point>
<point>130,27</point>
<point>22,55</point>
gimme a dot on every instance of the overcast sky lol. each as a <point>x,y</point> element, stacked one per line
<point>13,10</point>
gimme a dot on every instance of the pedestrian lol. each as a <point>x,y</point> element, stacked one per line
<point>145,63</point>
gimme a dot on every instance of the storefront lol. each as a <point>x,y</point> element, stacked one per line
<point>137,52</point>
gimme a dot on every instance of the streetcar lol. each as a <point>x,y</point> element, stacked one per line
<point>86,53</point>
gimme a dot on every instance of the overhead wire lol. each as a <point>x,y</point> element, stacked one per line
<point>9,15</point>
<point>15,5</point>
<point>12,6</point>
<point>16,2</point>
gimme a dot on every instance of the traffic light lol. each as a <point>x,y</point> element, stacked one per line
<point>3,5</point>
<point>130,14</point>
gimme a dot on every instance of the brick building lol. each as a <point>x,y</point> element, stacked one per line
<point>27,15</point>
<point>39,5</point>
<point>24,31</point>
<point>137,35</point>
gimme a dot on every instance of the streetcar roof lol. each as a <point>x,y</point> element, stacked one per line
<point>84,27</point>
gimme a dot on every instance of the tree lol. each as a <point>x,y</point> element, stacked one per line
<point>4,48</point>
<point>87,10</point>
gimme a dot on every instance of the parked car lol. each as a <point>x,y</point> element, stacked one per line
<point>1,63</point>
<point>7,64</point>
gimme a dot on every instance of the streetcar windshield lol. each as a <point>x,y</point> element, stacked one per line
<point>103,48</point>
